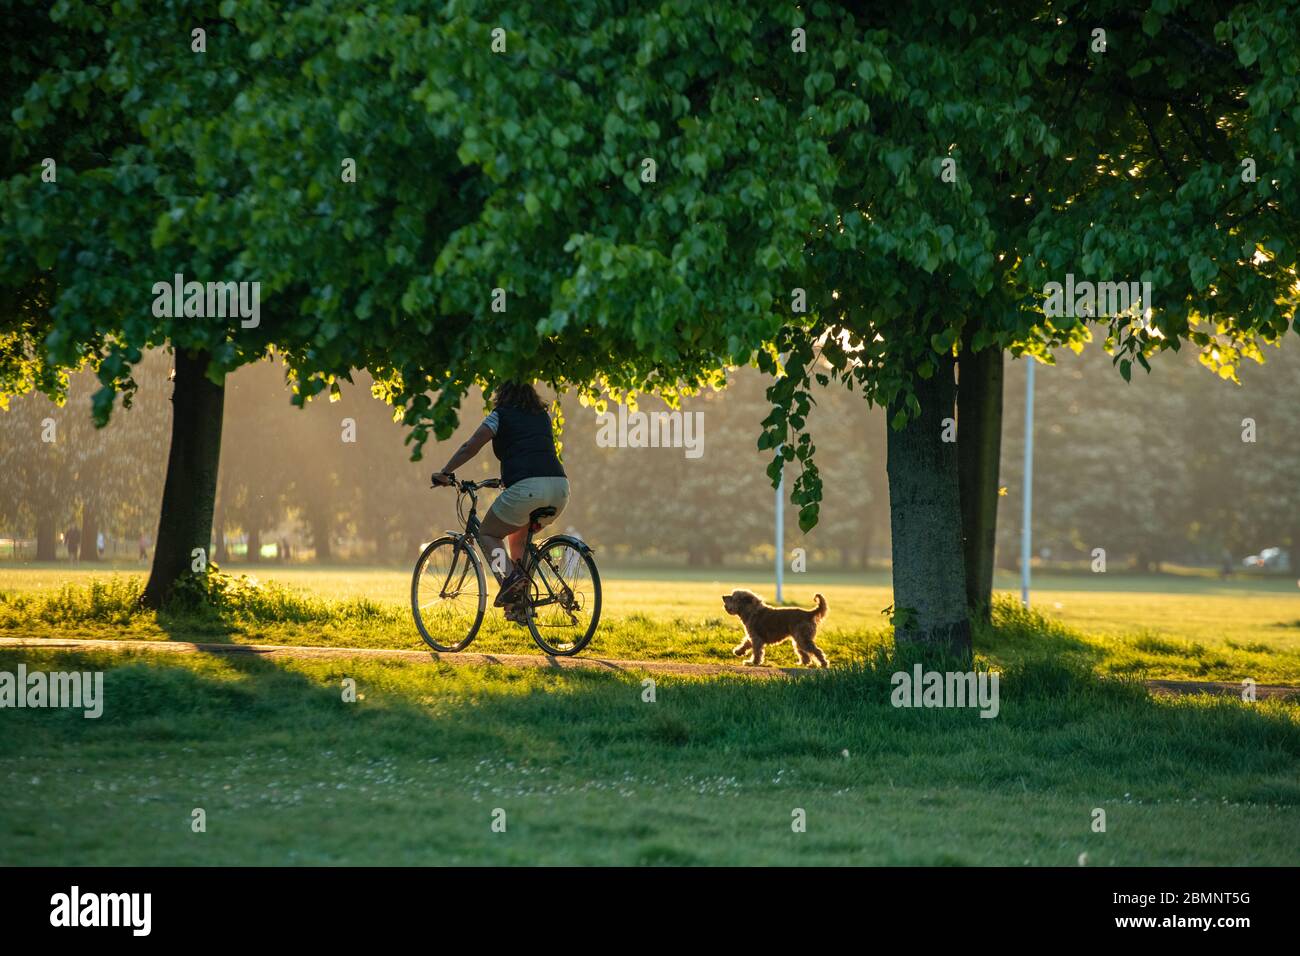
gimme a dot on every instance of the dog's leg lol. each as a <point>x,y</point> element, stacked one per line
<point>817,653</point>
<point>801,651</point>
<point>740,649</point>
<point>757,659</point>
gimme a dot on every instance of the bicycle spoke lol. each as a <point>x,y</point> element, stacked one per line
<point>447,596</point>
<point>565,598</point>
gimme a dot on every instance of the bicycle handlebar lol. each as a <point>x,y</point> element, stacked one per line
<point>467,486</point>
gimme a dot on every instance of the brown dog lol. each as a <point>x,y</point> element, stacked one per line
<point>765,625</point>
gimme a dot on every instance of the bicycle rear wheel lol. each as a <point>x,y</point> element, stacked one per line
<point>448,594</point>
<point>564,600</point>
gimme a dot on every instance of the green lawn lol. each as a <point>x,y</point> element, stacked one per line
<point>711,772</point>
<point>587,772</point>
<point>1167,626</point>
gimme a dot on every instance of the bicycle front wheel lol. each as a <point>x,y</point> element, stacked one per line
<point>448,594</point>
<point>564,603</point>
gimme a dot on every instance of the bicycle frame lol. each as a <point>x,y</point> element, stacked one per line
<point>473,532</point>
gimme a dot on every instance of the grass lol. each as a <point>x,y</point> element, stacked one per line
<point>1171,626</point>
<point>586,771</point>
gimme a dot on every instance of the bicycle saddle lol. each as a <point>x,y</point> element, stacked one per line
<point>538,513</point>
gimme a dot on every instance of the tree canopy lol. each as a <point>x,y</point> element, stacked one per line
<point>630,199</point>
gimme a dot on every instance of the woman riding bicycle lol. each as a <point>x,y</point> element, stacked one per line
<point>523,440</point>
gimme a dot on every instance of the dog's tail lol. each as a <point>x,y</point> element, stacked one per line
<point>820,613</point>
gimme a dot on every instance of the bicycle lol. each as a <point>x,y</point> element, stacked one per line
<point>561,600</point>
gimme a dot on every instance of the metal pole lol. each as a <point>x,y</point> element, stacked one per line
<point>1026,519</point>
<point>780,532</point>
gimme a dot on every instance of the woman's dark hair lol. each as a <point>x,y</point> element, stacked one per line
<point>518,395</point>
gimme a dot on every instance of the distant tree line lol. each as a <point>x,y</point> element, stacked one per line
<point>1175,467</point>
<point>59,472</point>
<point>1154,472</point>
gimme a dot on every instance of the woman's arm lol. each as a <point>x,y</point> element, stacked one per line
<point>473,445</point>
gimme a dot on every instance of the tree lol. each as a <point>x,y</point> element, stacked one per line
<point>56,468</point>
<point>979,453</point>
<point>1185,178</point>
<point>256,481</point>
<point>33,473</point>
<point>639,203</point>
<point>1112,469</point>
<point>1162,469</point>
<point>187,146</point>
<point>711,186</point>
<point>711,242</point>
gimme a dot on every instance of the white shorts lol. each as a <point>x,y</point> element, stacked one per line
<point>516,503</point>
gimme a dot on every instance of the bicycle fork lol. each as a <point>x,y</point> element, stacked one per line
<point>442,592</point>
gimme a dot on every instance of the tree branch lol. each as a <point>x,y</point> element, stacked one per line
<point>1155,141</point>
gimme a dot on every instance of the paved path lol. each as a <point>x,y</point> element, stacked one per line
<point>273,651</point>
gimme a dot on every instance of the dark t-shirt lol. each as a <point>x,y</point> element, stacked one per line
<point>525,445</point>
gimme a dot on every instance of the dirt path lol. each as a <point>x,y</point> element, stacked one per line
<point>1225,688</point>
<point>1161,687</point>
<point>465,657</point>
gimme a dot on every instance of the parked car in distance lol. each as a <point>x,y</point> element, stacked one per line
<point>1270,559</point>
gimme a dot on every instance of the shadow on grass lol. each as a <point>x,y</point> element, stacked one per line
<point>1058,726</point>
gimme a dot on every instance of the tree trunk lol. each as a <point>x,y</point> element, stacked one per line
<point>979,452</point>
<point>383,546</point>
<point>190,489</point>
<point>219,533</point>
<point>254,555</point>
<point>925,524</point>
<point>89,534</point>
<point>220,547</point>
<point>318,519</point>
<point>47,539</point>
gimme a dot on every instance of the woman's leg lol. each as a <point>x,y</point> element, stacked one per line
<point>515,540</point>
<point>505,527</point>
<point>496,534</point>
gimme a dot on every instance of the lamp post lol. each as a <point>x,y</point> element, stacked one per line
<point>780,531</point>
<point>1026,517</point>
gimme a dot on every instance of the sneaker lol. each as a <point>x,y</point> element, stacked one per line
<point>510,588</point>
<point>516,614</point>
